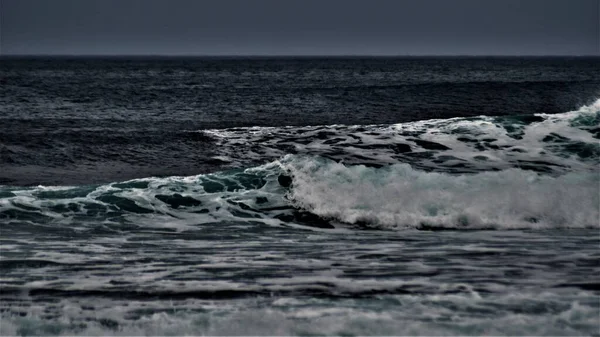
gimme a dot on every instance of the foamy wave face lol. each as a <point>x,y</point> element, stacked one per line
<point>319,193</point>
<point>398,196</point>
<point>544,143</point>
<point>173,203</point>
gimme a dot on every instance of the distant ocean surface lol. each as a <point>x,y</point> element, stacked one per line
<point>300,196</point>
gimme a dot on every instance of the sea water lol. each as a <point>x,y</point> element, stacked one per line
<point>389,196</point>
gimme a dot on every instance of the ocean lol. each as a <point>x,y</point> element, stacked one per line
<point>299,196</point>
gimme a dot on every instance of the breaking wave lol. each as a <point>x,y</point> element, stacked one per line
<point>398,196</point>
<point>320,192</point>
<point>538,171</point>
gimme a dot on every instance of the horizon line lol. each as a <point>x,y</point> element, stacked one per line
<point>292,55</point>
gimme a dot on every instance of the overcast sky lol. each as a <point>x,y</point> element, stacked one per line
<point>300,27</point>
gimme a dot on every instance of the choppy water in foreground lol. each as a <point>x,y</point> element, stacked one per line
<point>307,223</point>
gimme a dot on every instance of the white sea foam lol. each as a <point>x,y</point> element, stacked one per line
<point>398,196</point>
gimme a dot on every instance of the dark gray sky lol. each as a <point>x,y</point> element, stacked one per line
<point>300,27</point>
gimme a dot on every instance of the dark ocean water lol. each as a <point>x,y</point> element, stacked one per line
<point>299,196</point>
